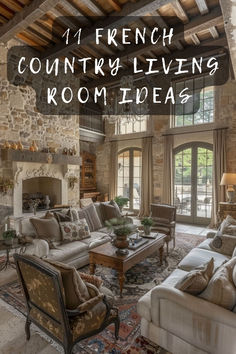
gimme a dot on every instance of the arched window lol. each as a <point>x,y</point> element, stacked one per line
<point>193,182</point>
<point>129,176</point>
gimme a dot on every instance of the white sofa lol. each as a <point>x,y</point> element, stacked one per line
<point>185,324</point>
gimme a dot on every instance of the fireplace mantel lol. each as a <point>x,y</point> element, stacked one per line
<point>39,157</point>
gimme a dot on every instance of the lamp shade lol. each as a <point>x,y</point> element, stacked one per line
<point>228,179</point>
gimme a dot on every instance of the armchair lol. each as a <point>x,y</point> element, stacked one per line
<point>45,304</point>
<point>164,220</point>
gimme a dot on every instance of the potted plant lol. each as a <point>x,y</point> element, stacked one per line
<point>8,236</point>
<point>121,201</point>
<point>147,223</point>
<point>121,230</point>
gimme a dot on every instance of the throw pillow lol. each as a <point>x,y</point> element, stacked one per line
<point>111,211</point>
<point>73,214</point>
<point>47,229</point>
<point>228,226</point>
<point>84,202</point>
<point>76,291</point>
<point>61,217</point>
<point>221,289</point>
<point>119,214</point>
<point>196,280</point>
<point>92,279</point>
<point>90,214</point>
<point>74,230</point>
<point>224,244</point>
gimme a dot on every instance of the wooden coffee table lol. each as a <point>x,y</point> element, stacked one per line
<point>106,255</point>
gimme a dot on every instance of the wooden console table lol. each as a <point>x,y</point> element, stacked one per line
<point>226,208</point>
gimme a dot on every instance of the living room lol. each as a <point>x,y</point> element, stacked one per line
<point>117,176</point>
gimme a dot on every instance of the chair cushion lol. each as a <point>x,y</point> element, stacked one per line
<point>198,256</point>
<point>47,229</point>
<point>90,214</point>
<point>221,289</point>
<point>197,279</point>
<point>74,230</point>
<point>75,289</point>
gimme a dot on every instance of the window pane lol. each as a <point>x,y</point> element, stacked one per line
<point>132,127</point>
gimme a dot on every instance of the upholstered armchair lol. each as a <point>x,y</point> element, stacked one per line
<point>47,301</point>
<point>164,220</point>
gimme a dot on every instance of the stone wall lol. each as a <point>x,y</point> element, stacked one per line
<point>21,121</point>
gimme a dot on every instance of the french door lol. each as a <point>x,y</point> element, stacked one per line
<point>193,182</point>
<point>129,176</point>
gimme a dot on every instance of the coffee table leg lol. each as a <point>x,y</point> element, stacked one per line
<point>161,249</point>
<point>121,281</point>
<point>92,268</point>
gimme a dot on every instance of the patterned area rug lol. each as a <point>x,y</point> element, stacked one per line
<point>141,278</point>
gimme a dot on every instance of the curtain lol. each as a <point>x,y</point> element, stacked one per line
<point>113,170</point>
<point>167,194</point>
<point>147,177</point>
<point>219,167</point>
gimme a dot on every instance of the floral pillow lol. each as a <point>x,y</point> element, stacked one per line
<point>74,230</point>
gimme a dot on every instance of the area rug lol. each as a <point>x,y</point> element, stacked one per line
<point>139,279</point>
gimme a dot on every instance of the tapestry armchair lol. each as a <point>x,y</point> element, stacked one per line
<point>46,301</point>
<point>164,220</point>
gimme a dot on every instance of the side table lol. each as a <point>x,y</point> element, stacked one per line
<point>8,248</point>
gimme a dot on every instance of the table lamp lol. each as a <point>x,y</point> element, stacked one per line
<point>229,179</point>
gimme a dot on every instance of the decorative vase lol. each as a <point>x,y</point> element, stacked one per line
<point>47,201</point>
<point>19,146</point>
<point>14,146</point>
<point>7,145</point>
<point>147,230</point>
<point>121,243</point>
<point>35,146</point>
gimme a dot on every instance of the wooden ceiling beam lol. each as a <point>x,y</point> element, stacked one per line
<point>197,24</point>
<point>229,25</point>
<point>180,12</point>
<point>24,18</point>
<point>94,7</point>
<point>162,24</point>
<point>202,6</point>
<point>214,32</point>
<point>115,20</point>
<point>208,48</point>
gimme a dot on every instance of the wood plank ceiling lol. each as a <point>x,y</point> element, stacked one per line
<point>32,22</point>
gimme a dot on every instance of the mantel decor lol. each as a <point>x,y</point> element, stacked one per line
<point>40,157</point>
<point>6,184</point>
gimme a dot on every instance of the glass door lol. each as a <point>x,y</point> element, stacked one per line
<point>129,176</point>
<point>193,182</point>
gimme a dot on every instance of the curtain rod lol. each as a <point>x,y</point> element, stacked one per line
<point>126,138</point>
<point>199,131</point>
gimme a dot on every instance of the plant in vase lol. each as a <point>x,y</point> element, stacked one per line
<point>147,224</point>
<point>121,201</point>
<point>8,236</point>
<point>121,230</point>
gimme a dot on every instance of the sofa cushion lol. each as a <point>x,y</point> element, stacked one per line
<point>90,214</point>
<point>174,277</point>
<point>27,228</point>
<point>205,245</point>
<point>221,289</point>
<point>75,289</point>
<point>98,207</point>
<point>197,279</point>
<point>47,229</point>
<point>198,256</point>
<point>111,211</point>
<point>224,244</point>
<point>74,231</point>
<point>96,239</point>
<point>68,251</point>
<point>62,217</point>
<point>144,306</point>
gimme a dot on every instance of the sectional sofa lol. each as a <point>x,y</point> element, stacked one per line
<point>186,324</point>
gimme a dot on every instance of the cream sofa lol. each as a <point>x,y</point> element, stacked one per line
<point>185,324</point>
<point>74,253</point>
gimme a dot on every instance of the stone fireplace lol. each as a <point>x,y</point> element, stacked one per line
<point>37,175</point>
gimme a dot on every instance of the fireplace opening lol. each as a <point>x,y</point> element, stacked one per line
<point>41,192</point>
